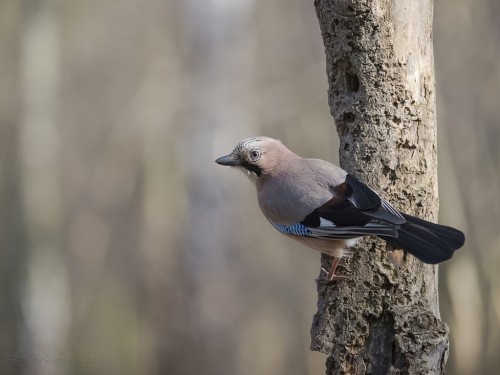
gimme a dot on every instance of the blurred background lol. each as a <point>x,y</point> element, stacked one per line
<point>124,247</point>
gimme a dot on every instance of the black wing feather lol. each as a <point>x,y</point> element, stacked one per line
<point>368,201</point>
<point>360,195</point>
<point>355,210</point>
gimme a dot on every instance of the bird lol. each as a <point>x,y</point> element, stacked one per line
<point>325,208</point>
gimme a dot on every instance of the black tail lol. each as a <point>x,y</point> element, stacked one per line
<point>429,242</point>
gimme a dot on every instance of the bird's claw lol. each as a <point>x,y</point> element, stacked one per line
<point>330,275</point>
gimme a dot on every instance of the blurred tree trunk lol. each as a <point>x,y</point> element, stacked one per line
<point>385,319</point>
<point>12,243</point>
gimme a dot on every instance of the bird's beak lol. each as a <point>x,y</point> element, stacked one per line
<point>231,160</point>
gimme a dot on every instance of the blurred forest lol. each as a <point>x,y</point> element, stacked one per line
<point>126,249</point>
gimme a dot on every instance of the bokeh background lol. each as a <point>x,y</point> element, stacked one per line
<point>124,247</point>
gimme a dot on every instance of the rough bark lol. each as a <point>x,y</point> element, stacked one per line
<point>385,319</point>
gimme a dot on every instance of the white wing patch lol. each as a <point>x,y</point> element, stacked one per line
<point>324,223</point>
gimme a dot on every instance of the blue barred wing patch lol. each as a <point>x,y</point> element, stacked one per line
<point>295,229</point>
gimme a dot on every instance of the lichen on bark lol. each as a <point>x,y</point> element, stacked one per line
<point>385,318</point>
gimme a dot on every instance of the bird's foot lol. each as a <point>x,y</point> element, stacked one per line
<point>330,275</point>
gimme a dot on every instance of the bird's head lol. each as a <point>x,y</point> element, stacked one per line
<point>256,156</point>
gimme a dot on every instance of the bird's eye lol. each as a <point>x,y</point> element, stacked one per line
<point>254,155</point>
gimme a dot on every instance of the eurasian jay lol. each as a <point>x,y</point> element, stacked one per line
<point>323,206</point>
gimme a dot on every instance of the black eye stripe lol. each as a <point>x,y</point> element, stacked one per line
<point>252,168</point>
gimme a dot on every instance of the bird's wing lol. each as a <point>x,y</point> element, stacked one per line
<point>354,211</point>
<point>368,201</point>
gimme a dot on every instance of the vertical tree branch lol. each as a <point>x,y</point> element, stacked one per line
<point>385,319</point>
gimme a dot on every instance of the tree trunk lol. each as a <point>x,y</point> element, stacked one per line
<point>385,318</point>
<point>12,228</point>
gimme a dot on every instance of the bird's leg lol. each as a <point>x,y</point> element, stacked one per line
<point>330,275</point>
